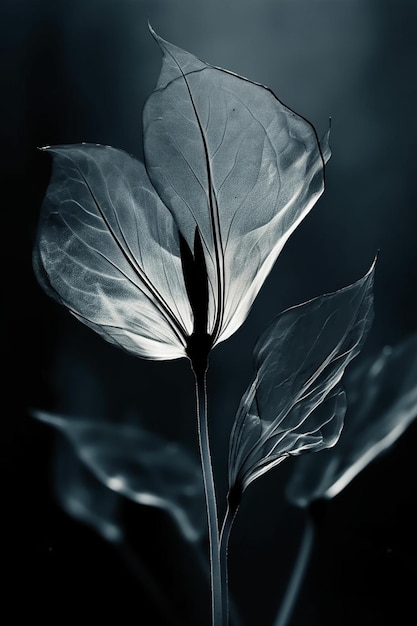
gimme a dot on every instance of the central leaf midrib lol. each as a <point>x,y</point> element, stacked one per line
<point>213,212</point>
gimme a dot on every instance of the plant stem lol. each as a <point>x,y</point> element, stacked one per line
<point>297,576</point>
<point>210,493</point>
<point>224,544</point>
<point>234,617</point>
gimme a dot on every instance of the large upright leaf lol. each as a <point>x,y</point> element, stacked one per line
<point>295,402</point>
<point>140,466</point>
<point>226,156</point>
<point>382,403</point>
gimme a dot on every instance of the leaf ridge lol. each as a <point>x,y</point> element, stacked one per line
<point>213,209</point>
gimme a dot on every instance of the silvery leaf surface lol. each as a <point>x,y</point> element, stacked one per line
<point>227,165</point>
<point>227,157</point>
<point>382,403</point>
<point>108,250</point>
<point>295,402</point>
<point>140,466</point>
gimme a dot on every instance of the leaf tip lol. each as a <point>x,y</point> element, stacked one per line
<point>161,42</point>
<point>43,416</point>
<point>371,270</point>
<point>151,30</point>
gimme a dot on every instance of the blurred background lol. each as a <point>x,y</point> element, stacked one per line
<point>81,71</point>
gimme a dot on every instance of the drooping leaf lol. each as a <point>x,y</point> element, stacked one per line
<point>85,498</point>
<point>295,402</point>
<point>228,166</point>
<point>382,403</point>
<point>140,466</point>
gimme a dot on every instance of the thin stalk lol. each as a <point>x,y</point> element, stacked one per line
<point>224,546</point>
<point>211,504</point>
<point>234,617</point>
<point>294,584</point>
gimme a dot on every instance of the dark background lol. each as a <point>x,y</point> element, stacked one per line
<point>81,71</point>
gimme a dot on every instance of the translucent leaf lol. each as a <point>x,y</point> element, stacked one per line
<point>295,402</point>
<point>382,403</point>
<point>226,156</point>
<point>140,466</point>
<point>109,251</point>
<point>233,171</point>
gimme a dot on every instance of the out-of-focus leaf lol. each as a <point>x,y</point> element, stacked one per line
<point>295,402</point>
<point>85,498</point>
<point>227,166</point>
<point>382,403</point>
<point>140,466</point>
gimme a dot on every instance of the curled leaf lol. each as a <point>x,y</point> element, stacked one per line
<point>140,466</point>
<point>161,256</point>
<point>382,403</point>
<point>295,402</point>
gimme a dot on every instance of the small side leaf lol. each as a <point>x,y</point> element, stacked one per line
<point>140,466</point>
<point>295,402</point>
